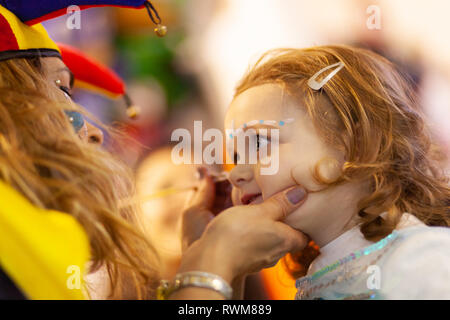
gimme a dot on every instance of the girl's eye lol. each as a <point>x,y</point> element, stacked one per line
<point>66,92</point>
<point>76,119</point>
<point>261,141</point>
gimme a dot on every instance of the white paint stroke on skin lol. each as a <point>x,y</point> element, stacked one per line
<point>254,122</point>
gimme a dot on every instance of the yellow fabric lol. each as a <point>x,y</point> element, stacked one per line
<point>34,37</point>
<point>41,250</point>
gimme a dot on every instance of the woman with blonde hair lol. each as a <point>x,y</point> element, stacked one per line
<point>62,196</point>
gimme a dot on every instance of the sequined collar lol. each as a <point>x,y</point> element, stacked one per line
<point>351,241</point>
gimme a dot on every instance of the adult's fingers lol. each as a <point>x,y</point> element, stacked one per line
<point>294,240</point>
<point>291,240</point>
<point>204,195</point>
<point>197,214</point>
<point>193,223</point>
<point>280,205</point>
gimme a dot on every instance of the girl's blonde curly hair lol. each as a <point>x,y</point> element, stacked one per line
<point>377,123</point>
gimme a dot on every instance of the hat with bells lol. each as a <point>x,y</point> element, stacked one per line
<point>23,36</point>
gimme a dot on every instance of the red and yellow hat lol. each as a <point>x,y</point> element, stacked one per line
<point>92,75</point>
<point>18,40</point>
<point>22,36</point>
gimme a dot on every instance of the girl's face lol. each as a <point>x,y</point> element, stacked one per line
<point>60,76</point>
<point>325,214</point>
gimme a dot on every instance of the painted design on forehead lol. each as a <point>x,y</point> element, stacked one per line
<point>234,132</point>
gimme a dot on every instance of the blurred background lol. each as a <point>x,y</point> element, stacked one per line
<point>191,73</point>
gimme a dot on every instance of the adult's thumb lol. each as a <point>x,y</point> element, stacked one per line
<point>197,215</point>
<point>205,193</point>
<point>280,205</point>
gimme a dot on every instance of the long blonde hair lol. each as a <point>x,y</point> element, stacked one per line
<point>377,123</point>
<point>43,158</point>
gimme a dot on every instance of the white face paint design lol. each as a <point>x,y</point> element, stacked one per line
<point>256,151</point>
<point>234,132</point>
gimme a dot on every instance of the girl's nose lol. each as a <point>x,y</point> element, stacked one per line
<point>240,174</point>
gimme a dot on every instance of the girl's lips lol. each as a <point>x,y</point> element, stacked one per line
<point>248,198</point>
<point>258,199</point>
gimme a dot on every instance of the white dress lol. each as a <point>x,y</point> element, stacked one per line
<point>413,262</point>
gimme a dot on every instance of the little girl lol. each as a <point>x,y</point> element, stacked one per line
<point>349,130</point>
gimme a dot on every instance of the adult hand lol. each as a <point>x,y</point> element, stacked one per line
<point>197,213</point>
<point>241,239</point>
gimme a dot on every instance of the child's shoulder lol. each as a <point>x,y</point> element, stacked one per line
<point>418,265</point>
<point>410,263</point>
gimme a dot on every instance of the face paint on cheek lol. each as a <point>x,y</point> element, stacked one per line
<point>76,119</point>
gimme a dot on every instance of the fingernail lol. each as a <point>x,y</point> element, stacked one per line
<point>296,195</point>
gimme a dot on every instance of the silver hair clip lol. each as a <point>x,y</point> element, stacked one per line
<point>313,84</point>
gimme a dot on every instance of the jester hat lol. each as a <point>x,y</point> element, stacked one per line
<point>22,36</point>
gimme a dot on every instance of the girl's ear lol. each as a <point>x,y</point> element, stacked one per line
<point>329,169</point>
